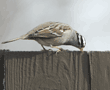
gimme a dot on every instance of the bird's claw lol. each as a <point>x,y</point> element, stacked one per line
<point>59,50</point>
<point>81,49</point>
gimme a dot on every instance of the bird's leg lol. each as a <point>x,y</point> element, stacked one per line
<point>59,49</point>
<point>43,47</point>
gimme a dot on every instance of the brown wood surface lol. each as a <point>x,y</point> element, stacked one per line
<point>64,71</point>
<point>100,70</point>
<point>47,71</point>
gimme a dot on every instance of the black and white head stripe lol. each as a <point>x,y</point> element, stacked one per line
<point>81,40</point>
<point>84,41</point>
<point>78,36</point>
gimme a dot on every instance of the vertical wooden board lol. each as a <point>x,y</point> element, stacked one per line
<point>6,72</point>
<point>28,68</point>
<point>20,60</point>
<point>17,65</point>
<point>2,70</point>
<point>11,76</point>
<point>81,71</point>
<point>100,70</point>
<point>24,62</point>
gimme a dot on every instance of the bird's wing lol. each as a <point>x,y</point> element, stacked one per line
<point>49,30</point>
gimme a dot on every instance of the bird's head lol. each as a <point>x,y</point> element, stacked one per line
<point>81,42</point>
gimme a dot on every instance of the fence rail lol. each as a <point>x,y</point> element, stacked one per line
<point>65,71</point>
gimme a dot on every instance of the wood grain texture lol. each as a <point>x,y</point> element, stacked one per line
<point>100,70</point>
<point>46,71</point>
<point>2,70</point>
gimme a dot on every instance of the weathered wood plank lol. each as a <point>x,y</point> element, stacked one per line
<point>2,71</point>
<point>100,70</point>
<point>47,71</point>
<point>81,71</point>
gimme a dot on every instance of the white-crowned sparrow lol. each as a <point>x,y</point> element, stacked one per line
<point>54,34</point>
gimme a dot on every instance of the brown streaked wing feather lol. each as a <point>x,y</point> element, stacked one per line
<point>44,25</point>
<point>40,27</point>
<point>46,33</point>
<point>65,27</point>
<point>46,30</point>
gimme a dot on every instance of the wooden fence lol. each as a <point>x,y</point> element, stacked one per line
<point>65,71</point>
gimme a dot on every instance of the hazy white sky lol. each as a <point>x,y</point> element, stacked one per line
<point>91,18</point>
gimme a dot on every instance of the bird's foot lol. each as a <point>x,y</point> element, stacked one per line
<point>60,49</point>
<point>81,49</point>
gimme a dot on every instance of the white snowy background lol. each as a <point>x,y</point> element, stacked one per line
<point>91,18</point>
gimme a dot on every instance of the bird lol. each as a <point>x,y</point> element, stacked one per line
<point>54,34</point>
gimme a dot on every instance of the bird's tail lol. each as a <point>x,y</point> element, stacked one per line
<point>11,40</point>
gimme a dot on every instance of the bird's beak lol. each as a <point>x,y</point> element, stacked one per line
<point>81,49</point>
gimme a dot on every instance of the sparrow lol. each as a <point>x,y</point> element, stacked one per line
<point>54,34</point>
